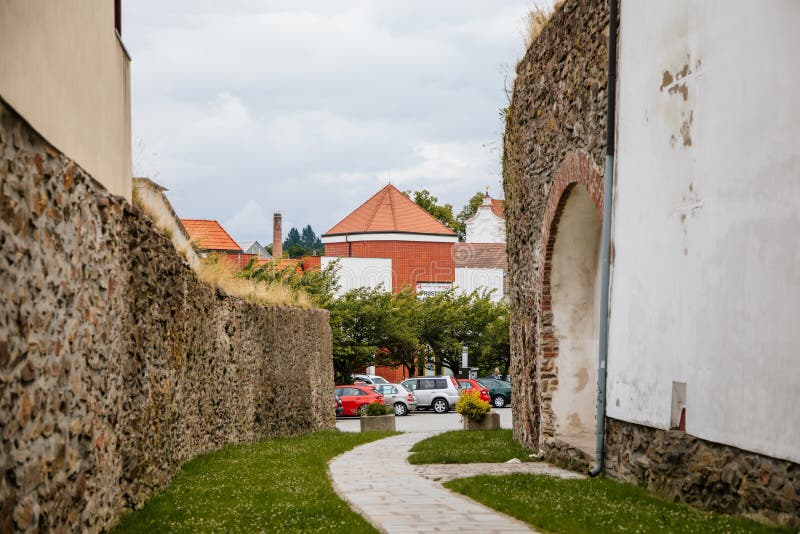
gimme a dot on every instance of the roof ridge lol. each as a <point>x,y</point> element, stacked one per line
<point>378,203</point>
<point>391,206</point>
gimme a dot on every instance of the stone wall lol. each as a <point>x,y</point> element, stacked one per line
<point>557,115</point>
<point>708,475</point>
<point>116,363</point>
<point>555,138</point>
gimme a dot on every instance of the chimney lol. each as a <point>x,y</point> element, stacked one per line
<point>277,236</point>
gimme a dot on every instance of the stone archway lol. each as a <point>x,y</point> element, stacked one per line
<point>570,304</point>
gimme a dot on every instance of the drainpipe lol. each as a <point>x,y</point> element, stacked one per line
<point>608,191</point>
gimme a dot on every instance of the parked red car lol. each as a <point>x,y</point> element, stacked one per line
<point>467,385</point>
<point>356,398</point>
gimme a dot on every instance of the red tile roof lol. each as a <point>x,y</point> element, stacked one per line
<point>389,210</point>
<point>481,255</point>
<point>210,235</point>
<point>238,261</point>
<point>498,206</point>
<point>282,263</point>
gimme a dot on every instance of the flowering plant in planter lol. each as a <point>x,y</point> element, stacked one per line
<point>470,406</point>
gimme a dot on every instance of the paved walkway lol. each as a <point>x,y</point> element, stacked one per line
<point>394,496</point>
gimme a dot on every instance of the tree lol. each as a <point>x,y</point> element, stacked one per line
<point>310,240</point>
<point>292,238</point>
<point>443,213</point>
<point>320,285</point>
<point>297,245</point>
<point>399,341</point>
<point>450,322</point>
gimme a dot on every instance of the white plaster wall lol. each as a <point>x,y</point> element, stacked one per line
<point>706,274</point>
<point>64,70</point>
<point>485,227</point>
<point>361,272</point>
<point>574,290</point>
<point>469,279</point>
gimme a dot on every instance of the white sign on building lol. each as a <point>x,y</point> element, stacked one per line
<point>429,289</point>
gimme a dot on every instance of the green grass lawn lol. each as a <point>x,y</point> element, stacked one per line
<point>592,505</point>
<point>277,485</point>
<point>462,447</point>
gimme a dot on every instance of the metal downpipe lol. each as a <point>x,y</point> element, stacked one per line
<point>605,245</point>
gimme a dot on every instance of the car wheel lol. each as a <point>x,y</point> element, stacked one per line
<point>440,406</point>
<point>499,401</point>
<point>361,410</point>
<point>400,409</point>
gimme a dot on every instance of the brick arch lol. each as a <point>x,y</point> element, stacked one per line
<point>577,169</point>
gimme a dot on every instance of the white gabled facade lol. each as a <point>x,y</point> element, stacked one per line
<point>485,226</point>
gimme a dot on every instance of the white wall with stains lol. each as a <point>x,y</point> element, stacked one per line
<point>706,232</point>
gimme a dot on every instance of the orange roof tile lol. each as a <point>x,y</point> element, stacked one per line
<point>498,206</point>
<point>481,255</point>
<point>389,210</point>
<point>210,235</point>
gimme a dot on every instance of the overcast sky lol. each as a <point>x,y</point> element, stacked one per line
<point>244,107</point>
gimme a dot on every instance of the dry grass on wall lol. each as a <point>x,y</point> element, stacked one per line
<point>536,19</point>
<point>213,270</point>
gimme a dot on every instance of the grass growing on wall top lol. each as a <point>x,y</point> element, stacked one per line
<point>276,485</point>
<point>214,271</point>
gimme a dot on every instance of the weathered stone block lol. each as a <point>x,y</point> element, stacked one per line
<point>378,423</point>
<point>490,421</point>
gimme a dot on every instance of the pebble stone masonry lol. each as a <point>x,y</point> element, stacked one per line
<point>116,363</point>
<point>555,137</point>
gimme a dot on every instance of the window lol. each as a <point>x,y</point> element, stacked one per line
<point>441,383</point>
<point>427,383</point>
<point>410,385</point>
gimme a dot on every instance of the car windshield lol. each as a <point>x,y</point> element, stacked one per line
<point>379,380</point>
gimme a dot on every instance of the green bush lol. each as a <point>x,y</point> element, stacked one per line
<point>378,408</point>
<point>472,407</point>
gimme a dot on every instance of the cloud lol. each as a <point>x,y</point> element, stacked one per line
<point>248,106</point>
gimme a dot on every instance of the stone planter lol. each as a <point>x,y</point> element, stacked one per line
<point>380,423</point>
<point>490,421</point>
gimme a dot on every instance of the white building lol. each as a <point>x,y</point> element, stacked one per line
<point>481,263</point>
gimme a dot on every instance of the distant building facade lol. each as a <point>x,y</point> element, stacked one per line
<point>255,248</point>
<point>481,263</point>
<point>389,225</point>
<point>209,237</point>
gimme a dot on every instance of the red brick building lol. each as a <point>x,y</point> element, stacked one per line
<point>390,225</point>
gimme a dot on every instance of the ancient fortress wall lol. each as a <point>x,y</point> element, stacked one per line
<point>116,363</point>
<point>555,137</point>
<point>554,146</point>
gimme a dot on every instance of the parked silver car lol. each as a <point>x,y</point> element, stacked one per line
<point>398,397</point>
<point>369,379</point>
<point>438,392</point>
